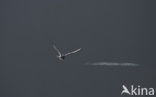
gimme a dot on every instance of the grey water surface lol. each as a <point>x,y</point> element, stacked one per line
<point>120,31</point>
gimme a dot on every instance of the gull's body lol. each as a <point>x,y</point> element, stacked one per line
<point>63,56</point>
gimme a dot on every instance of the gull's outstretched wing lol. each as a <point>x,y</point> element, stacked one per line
<point>59,53</point>
<point>73,52</point>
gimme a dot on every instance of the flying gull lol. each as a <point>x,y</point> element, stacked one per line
<point>62,56</point>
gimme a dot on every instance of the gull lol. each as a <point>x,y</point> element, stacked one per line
<point>125,90</point>
<point>62,56</point>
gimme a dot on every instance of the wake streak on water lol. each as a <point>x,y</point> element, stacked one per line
<point>112,64</point>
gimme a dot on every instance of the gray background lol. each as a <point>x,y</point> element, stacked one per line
<point>107,30</point>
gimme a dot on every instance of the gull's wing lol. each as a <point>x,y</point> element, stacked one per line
<point>59,53</point>
<point>73,52</point>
